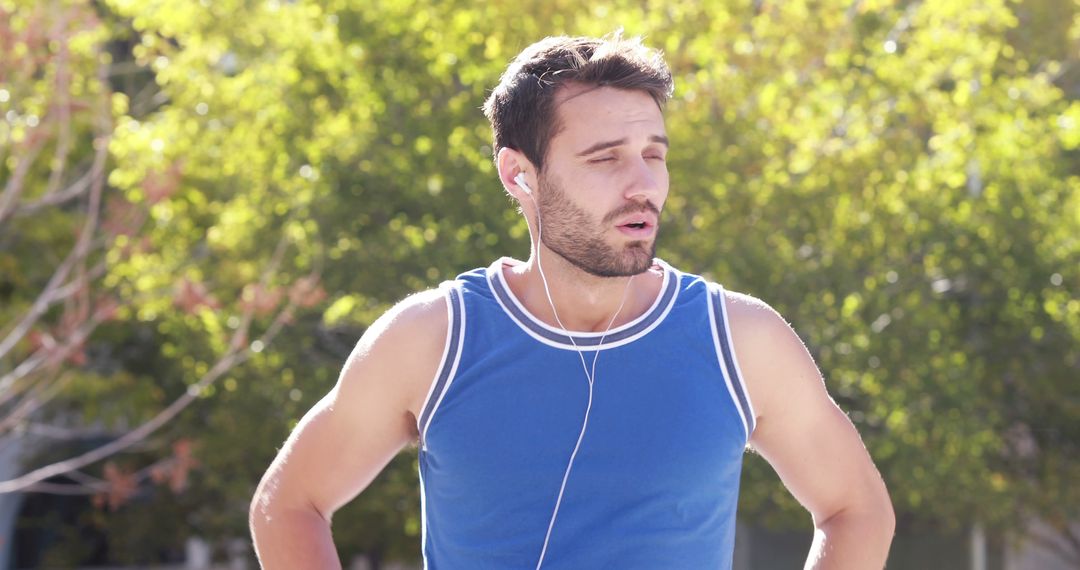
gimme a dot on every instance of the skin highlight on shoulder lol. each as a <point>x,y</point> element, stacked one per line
<point>747,306</point>
<point>773,358</point>
<point>419,313</point>
<point>409,339</point>
<point>760,326</point>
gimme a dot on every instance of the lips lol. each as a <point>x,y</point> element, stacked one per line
<point>639,221</point>
<point>638,226</point>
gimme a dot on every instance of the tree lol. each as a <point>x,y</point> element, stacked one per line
<point>889,178</point>
<point>898,178</point>
<point>71,232</point>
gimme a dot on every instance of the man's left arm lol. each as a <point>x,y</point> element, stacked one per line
<point>810,442</point>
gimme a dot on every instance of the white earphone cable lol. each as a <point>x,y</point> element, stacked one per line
<point>590,375</point>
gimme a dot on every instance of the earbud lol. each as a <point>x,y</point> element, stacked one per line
<point>520,179</point>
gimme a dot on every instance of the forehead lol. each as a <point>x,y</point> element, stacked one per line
<point>587,114</point>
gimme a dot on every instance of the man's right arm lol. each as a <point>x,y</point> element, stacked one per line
<point>349,436</point>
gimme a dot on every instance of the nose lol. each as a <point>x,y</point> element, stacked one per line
<point>648,181</point>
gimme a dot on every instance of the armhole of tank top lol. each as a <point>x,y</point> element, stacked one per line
<point>725,354</point>
<point>444,376</point>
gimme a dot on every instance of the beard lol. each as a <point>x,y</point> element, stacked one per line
<point>571,233</point>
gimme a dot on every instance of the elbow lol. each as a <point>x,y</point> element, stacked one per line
<point>879,518</point>
<point>883,508</point>
<point>872,514</point>
<point>877,514</point>
<point>888,518</point>
<point>876,520</point>
<point>884,523</point>
<point>271,511</point>
<point>265,504</point>
<point>258,512</point>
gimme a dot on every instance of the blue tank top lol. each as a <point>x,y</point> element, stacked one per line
<point>655,482</point>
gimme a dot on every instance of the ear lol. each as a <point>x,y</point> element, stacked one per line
<point>510,164</point>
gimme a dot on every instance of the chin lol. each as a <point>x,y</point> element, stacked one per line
<point>636,259</point>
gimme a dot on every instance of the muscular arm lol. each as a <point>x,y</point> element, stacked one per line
<point>810,443</point>
<point>349,436</point>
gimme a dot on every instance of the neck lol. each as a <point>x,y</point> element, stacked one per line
<point>584,302</point>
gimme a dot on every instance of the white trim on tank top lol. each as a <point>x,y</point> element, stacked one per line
<point>452,360</point>
<point>586,341</point>
<point>747,415</point>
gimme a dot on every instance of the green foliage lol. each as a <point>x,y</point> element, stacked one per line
<point>899,179</point>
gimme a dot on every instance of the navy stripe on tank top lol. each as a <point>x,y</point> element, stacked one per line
<point>655,483</point>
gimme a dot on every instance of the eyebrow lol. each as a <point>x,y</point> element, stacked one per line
<point>604,145</point>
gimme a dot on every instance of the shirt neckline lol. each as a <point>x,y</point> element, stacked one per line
<point>572,340</point>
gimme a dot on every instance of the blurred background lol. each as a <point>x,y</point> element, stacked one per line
<point>204,203</point>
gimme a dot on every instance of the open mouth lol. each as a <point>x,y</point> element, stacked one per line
<point>637,228</point>
<point>641,224</point>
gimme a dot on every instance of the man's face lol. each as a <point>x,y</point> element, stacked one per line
<point>605,180</point>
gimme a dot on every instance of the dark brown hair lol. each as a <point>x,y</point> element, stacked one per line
<point>522,107</point>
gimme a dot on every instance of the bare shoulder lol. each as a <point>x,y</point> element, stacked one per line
<point>416,318</point>
<point>400,351</point>
<point>774,362</point>
<point>745,304</point>
<point>754,323</point>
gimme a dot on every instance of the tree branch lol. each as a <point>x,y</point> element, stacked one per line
<point>82,245</point>
<point>15,186</point>
<point>88,485</point>
<point>76,189</point>
<point>50,355</point>
<point>233,357</point>
<point>39,395</point>
<point>1054,545</point>
<point>235,354</point>
<point>60,433</point>
<point>66,489</point>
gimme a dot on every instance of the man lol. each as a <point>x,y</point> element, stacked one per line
<point>589,407</point>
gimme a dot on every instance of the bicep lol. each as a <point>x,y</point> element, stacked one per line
<point>337,449</point>
<point>350,435</point>
<point>818,455</point>
<point>800,431</point>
